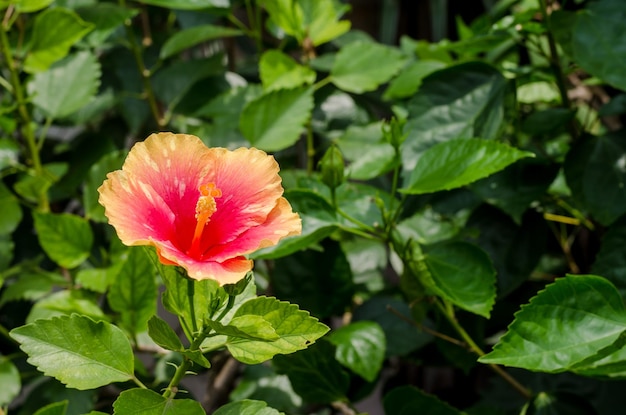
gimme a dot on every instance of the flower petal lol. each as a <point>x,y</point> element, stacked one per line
<point>167,169</point>
<point>228,271</point>
<point>250,185</point>
<point>135,210</point>
<point>280,223</point>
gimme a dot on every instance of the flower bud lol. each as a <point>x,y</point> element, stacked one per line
<point>393,132</point>
<point>332,166</point>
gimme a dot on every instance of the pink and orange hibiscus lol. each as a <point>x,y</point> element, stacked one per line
<point>202,208</point>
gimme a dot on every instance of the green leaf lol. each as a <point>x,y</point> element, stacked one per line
<point>31,286</point>
<point>67,86</point>
<point>173,82</point>
<point>9,153</point>
<point>192,36</point>
<point>572,319</point>
<point>11,211</point>
<point>409,80</point>
<point>29,6</point>
<point>369,155</point>
<point>314,373</point>
<point>246,327</point>
<point>517,186</point>
<point>363,66</point>
<point>31,187</point>
<point>65,303</point>
<point>295,327</point>
<point>596,174</point>
<point>55,31</point>
<point>133,294</point>
<point>57,408</point>
<point>460,273</point>
<point>275,120</point>
<point>147,402</point>
<point>163,334</point>
<point>65,238</point>
<point>97,173</point>
<point>407,400</point>
<point>455,163</point>
<point>360,347</point>
<point>188,4</point>
<point>315,20</point>
<point>6,251</point>
<point>596,34</point>
<point>106,18</point>
<point>98,279</point>
<point>280,71</point>
<point>318,221</point>
<point>207,296</point>
<point>401,336</point>
<point>429,227</point>
<point>610,261</point>
<point>246,407</point>
<point>515,249</point>
<point>319,281</point>
<point>78,351</point>
<point>10,381</point>
<point>461,101</point>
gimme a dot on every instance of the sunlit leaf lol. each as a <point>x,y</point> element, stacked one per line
<point>360,347</point>
<point>54,32</point>
<point>575,318</point>
<point>193,36</point>
<point>78,351</point>
<point>363,66</point>
<point>275,120</point>
<point>66,238</point>
<point>296,330</point>
<point>246,407</point>
<point>455,163</point>
<point>147,402</point>
<point>279,71</point>
<point>67,86</point>
<point>133,294</point>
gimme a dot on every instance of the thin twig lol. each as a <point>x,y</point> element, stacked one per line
<point>428,329</point>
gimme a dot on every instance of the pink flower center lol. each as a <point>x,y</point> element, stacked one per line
<point>205,208</point>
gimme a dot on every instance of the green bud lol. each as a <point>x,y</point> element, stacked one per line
<point>332,166</point>
<point>393,132</point>
<point>238,287</point>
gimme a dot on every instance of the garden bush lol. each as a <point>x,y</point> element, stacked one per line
<point>251,207</point>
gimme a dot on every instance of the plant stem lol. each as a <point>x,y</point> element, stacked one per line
<point>28,131</point>
<point>254,19</point>
<point>555,64</point>
<point>448,312</point>
<point>229,305</point>
<point>310,149</point>
<point>192,310</point>
<point>139,383</point>
<point>143,72</point>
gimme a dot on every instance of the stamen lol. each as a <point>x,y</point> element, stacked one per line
<point>205,208</point>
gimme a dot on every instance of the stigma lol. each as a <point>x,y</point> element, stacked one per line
<point>205,208</point>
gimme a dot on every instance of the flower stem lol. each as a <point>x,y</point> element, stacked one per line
<point>192,309</point>
<point>27,130</point>
<point>447,310</point>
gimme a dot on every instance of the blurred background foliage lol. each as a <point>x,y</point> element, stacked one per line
<point>403,130</point>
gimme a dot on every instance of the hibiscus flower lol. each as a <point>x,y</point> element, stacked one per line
<point>202,208</point>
